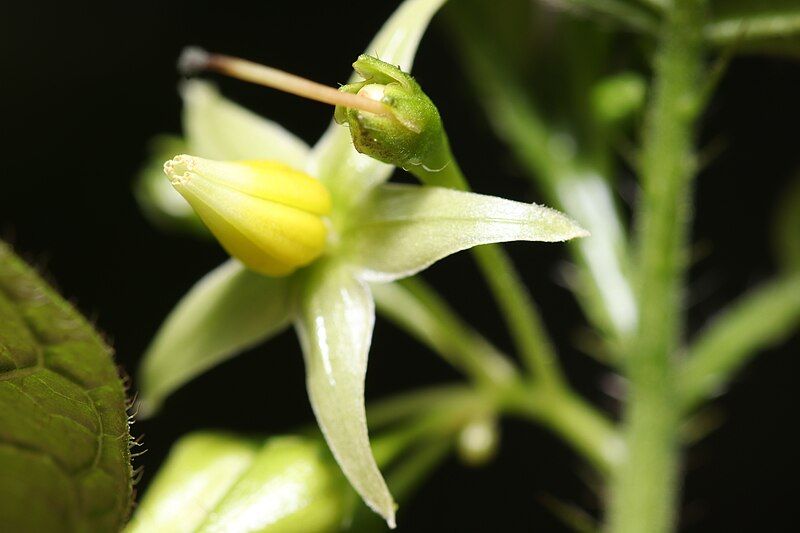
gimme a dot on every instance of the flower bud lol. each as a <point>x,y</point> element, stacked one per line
<point>617,98</point>
<point>265,214</point>
<point>222,482</point>
<point>478,441</point>
<point>409,134</point>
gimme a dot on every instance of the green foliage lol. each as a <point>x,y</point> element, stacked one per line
<point>787,228</point>
<point>64,440</point>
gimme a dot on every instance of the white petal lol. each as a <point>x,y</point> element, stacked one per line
<point>217,128</point>
<point>334,322</point>
<point>333,158</point>
<point>402,229</point>
<point>398,39</point>
<point>226,312</point>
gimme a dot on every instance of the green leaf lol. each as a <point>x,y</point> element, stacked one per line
<point>334,322</point>
<point>218,482</point>
<point>226,312</point>
<point>403,229</point>
<point>756,25</point>
<point>760,319</point>
<point>64,441</point>
<point>217,128</point>
<point>787,228</point>
<point>333,158</point>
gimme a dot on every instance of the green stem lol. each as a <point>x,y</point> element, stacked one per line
<point>587,430</point>
<point>512,296</point>
<point>645,487</point>
<point>520,314</point>
<point>414,306</point>
<point>775,24</point>
<point>590,433</point>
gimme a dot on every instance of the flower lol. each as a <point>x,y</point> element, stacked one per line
<point>265,213</point>
<point>319,259</point>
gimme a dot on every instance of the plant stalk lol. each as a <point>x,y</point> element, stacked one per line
<point>646,484</point>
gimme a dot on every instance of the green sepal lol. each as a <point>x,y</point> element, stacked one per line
<point>64,440</point>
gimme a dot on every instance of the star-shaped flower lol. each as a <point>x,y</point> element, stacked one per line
<point>309,229</point>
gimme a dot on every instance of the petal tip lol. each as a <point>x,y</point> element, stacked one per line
<point>580,233</point>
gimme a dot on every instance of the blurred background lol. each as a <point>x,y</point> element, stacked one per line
<point>85,86</point>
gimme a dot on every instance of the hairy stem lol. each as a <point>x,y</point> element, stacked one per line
<point>645,487</point>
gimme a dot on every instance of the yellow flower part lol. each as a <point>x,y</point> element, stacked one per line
<point>264,213</point>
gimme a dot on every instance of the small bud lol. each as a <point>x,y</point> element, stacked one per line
<point>617,98</point>
<point>478,441</point>
<point>410,134</point>
<point>265,214</point>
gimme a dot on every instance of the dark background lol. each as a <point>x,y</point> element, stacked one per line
<point>84,87</point>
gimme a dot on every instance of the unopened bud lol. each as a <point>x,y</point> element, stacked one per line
<point>410,134</point>
<point>478,441</point>
<point>221,482</point>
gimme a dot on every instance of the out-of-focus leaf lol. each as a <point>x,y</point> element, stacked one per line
<point>404,228</point>
<point>756,321</point>
<point>334,322</point>
<point>216,482</point>
<point>571,515</point>
<point>158,200</point>
<point>226,312</point>
<point>771,26</point>
<point>786,239</point>
<point>64,456</point>
<point>625,12</point>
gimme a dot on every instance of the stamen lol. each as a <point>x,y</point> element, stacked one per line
<point>196,59</point>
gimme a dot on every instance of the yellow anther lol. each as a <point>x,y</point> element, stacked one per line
<point>266,214</point>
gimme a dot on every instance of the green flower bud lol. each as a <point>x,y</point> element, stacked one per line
<point>410,133</point>
<point>617,98</point>
<point>478,441</point>
<point>222,482</point>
